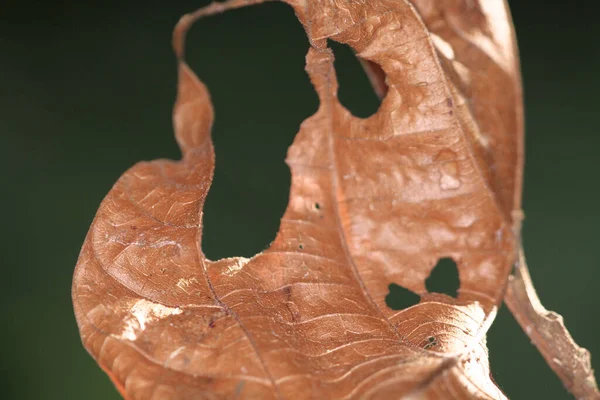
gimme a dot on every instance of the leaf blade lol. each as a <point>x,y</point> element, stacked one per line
<point>178,325</point>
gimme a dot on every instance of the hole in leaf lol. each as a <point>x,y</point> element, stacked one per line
<point>301,246</point>
<point>317,206</point>
<point>431,342</point>
<point>355,91</point>
<point>260,95</point>
<point>400,298</point>
<point>444,278</point>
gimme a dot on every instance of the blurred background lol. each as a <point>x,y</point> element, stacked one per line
<point>87,89</point>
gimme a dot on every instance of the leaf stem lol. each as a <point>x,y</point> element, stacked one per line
<point>547,332</point>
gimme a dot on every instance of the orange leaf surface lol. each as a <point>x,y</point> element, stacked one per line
<point>435,173</point>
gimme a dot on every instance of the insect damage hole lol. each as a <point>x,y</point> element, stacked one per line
<point>261,95</point>
<point>400,298</point>
<point>355,91</point>
<point>431,342</point>
<point>444,278</point>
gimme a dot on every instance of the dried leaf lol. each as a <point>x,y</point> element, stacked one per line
<point>435,173</point>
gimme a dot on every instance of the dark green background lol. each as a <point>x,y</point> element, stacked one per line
<point>86,90</point>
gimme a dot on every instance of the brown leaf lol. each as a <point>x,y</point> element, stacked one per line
<point>435,173</point>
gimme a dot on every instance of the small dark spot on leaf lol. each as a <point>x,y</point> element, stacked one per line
<point>287,291</point>
<point>133,227</point>
<point>400,298</point>
<point>444,278</point>
<point>301,246</point>
<point>431,342</point>
<point>317,206</point>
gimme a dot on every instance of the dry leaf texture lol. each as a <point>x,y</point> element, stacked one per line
<point>435,173</point>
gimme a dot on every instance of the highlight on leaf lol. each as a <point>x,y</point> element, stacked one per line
<point>435,173</point>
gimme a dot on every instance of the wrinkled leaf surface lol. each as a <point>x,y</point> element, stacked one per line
<point>435,173</point>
